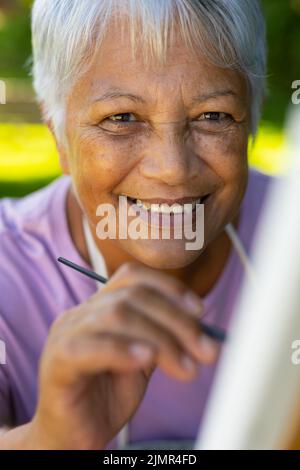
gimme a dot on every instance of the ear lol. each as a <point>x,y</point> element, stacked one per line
<point>63,156</point>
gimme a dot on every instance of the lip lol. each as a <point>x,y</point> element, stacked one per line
<point>163,221</point>
<point>181,200</point>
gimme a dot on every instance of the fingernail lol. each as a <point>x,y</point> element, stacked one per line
<point>192,302</point>
<point>207,346</point>
<point>188,363</point>
<point>141,351</point>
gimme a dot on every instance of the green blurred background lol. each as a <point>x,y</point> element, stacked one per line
<point>28,158</point>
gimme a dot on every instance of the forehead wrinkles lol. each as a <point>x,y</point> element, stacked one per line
<point>182,73</point>
<point>165,96</point>
<point>162,87</point>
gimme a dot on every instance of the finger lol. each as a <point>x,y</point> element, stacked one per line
<point>93,354</point>
<point>185,328</point>
<point>135,273</point>
<point>128,321</point>
<point>160,310</point>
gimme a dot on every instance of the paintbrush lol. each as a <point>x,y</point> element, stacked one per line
<point>211,331</point>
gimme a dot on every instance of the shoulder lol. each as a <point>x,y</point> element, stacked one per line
<point>26,223</point>
<point>259,185</point>
<point>258,189</point>
<point>18,215</point>
<point>27,237</point>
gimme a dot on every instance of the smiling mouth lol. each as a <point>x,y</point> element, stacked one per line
<point>188,205</point>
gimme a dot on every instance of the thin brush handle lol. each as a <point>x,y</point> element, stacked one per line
<point>212,331</point>
<point>82,270</point>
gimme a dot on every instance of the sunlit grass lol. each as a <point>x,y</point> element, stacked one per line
<point>28,152</point>
<point>270,152</point>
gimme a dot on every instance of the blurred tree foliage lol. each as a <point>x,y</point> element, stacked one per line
<point>15,41</point>
<point>283,22</point>
<point>283,35</point>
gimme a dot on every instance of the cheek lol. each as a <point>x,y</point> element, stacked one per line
<point>100,161</point>
<point>98,164</point>
<point>225,154</point>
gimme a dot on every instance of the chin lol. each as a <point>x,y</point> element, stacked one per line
<point>161,254</point>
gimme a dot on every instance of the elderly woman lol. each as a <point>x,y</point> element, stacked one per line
<point>155,101</point>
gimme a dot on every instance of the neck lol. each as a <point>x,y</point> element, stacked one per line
<point>201,275</point>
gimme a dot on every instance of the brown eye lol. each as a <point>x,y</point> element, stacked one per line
<point>213,122</point>
<point>116,123</point>
<point>214,116</point>
<point>119,118</point>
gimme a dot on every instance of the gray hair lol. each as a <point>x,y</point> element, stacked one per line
<point>231,33</point>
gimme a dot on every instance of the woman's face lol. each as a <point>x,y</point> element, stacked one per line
<point>162,134</point>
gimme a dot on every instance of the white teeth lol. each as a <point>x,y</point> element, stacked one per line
<point>177,208</point>
<point>167,209</point>
<point>188,208</point>
<point>143,205</point>
<point>155,207</point>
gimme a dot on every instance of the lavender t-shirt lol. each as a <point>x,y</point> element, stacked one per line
<point>35,289</point>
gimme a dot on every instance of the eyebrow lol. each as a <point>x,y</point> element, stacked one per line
<point>213,95</point>
<point>115,94</point>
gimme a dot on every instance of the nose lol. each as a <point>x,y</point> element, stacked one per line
<point>170,159</point>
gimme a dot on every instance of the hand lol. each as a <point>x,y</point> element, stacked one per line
<point>99,356</point>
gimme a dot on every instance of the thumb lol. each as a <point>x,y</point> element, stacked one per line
<point>148,370</point>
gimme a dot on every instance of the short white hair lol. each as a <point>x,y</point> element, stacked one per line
<point>65,34</point>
